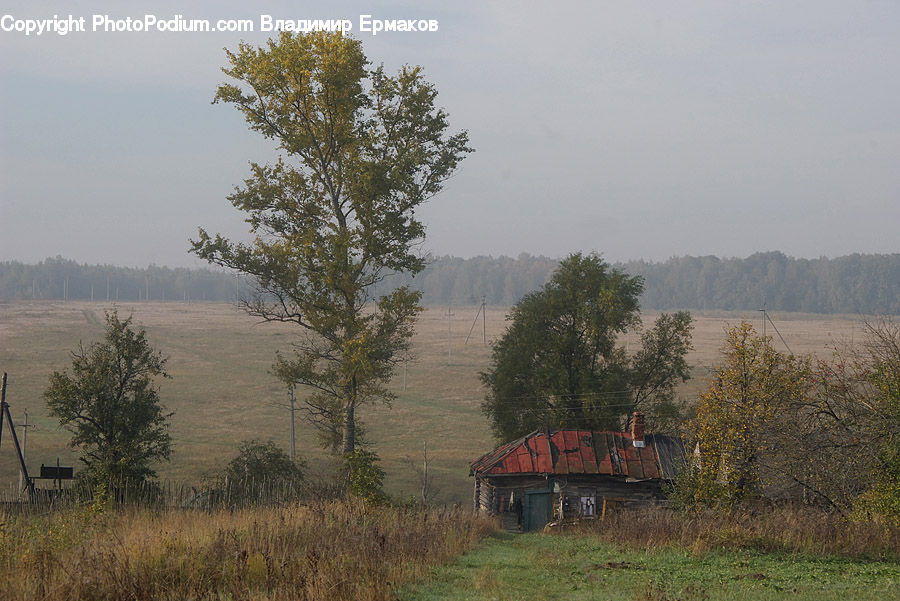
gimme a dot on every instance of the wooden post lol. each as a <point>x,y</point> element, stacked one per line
<point>484,319</point>
<point>2,404</point>
<point>603,511</point>
<point>291,398</point>
<point>424,472</point>
<point>5,411</point>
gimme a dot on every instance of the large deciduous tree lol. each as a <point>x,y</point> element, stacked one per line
<point>110,404</point>
<point>559,364</point>
<point>360,151</point>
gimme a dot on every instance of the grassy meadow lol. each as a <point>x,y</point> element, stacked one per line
<point>221,391</point>
<point>655,554</point>
<point>524,567</point>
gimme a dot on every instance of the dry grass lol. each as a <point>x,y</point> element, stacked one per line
<point>319,552</point>
<point>785,529</point>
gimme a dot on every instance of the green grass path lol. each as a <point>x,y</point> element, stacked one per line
<point>546,567</point>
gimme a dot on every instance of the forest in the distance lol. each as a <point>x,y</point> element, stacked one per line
<point>853,284</point>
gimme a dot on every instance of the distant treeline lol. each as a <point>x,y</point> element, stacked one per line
<point>61,279</point>
<point>854,284</point>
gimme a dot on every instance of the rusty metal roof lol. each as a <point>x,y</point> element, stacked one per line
<point>584,452</point>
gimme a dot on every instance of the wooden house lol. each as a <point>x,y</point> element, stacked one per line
<point>554,475</point>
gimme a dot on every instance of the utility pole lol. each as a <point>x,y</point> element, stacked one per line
<point>291,398</point>
<point>405,361</point>
<point>25,427</point>
<point>4,412</point>
<point>481,311</point>
<point>449,315</point>
<point>763,311</point>
<point>424,471</point>
<point>107,288</point>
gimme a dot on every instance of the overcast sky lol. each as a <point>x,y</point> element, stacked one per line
<point>634,129</point>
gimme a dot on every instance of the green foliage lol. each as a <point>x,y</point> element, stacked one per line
<point>335,214</point>
<point>101,499</point>
<point>558,363</point>
<point>263,460</point>
<point>111,406</point>
<point>783,426</point>
<point>365,478</point>
<point>659,366</point>
<point>736,417</point>
<point>261,471</point>
<point>883,373</point>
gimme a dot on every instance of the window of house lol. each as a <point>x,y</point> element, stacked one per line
<point>587,505</point>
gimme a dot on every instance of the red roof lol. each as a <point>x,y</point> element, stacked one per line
<point>583,452</point>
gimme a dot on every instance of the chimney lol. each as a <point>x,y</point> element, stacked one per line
<point>637,429</point>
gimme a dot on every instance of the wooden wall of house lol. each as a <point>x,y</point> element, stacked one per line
<point>585,496</point>
<point>578,496</point>
<point>493,495</point>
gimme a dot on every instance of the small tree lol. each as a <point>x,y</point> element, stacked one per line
<point>750,393</point>
<point>559,364</point>
<point>111,406</point>
<point>262,471</point>
<point>365,478</point>
<point>859,400</point>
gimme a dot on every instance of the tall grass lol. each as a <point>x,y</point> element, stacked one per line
<point>316,552</point>
<point>766,529</point>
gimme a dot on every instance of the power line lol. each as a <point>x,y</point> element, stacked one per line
<point>483,313</point>
<point>577,395</point>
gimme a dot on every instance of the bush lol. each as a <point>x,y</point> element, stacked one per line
<point>261,473</point>
<point>365,478</point>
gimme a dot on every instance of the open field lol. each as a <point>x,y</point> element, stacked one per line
<point>221,391</point>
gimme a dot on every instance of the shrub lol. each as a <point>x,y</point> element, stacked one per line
<point>365,478</point>
<point>261,473</point>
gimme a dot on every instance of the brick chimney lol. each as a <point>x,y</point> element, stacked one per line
<point>637,429</point>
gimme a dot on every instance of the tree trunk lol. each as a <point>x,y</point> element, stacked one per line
<point>349,440</point>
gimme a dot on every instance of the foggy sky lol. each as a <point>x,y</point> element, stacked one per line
<point>634,129</point>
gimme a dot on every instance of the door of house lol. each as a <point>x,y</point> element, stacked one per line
<point>538,504</point>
